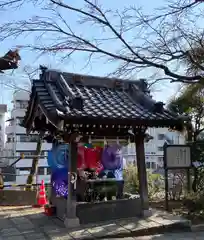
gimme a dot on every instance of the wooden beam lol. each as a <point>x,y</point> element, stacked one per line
<point>121,121</point>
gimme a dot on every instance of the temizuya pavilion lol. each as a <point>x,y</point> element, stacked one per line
<point>67,106</point>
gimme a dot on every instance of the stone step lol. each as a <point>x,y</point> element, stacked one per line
<point>132,228</point>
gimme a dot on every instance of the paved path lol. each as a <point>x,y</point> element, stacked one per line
<point>175,236</point>
<point>21,223</point>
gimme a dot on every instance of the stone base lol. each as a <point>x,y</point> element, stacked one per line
<point>89,213</point>
<point>71,222</point>
<point>146,213</point>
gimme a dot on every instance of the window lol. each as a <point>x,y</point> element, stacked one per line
<point>160,159</point>
<point>41,171</point>
<point>125,150</point>
<point>148,165</point>
<point>49,171</point>
<point>10,139</point>
<point>24,138</point>
<point>160,148</point>
<point>19,120</point>
<point>132,149</point>
<point>153,165</point>
<point>33,138</point>
<point>21,104</point>
<point>161,136</point>
<point>30,138</point>
<point>24,169</point>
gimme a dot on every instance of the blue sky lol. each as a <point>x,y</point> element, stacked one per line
<point>162,91</point>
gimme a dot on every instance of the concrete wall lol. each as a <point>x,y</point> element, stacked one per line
<point>17,198</point>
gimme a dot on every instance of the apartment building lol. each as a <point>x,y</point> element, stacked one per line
<point>154,148</point>
<point>3,111</point>
<point>19,142</point>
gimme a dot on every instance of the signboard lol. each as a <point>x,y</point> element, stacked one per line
<point>177,156</point>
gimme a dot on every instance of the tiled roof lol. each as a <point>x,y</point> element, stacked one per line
<point>102,98</point>
<point>9,60</point>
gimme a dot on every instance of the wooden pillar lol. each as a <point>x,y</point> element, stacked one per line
<point>142,173</point>
<point>71,218</point>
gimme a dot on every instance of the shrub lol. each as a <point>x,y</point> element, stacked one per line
<point>131,180</point>
<point>132,183</point>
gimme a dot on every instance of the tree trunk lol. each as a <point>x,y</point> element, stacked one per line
<point>33,170</point>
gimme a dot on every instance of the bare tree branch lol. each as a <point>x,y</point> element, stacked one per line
<point>5,4</point>
<point>167,41</point>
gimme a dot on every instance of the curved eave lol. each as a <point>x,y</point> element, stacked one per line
<point>30,109</point>
<point>51,118</point>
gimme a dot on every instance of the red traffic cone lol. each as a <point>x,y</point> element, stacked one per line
<point>42,195</point>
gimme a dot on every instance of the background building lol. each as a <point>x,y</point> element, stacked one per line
<point>154,148</point>
<point>3,111</point>
<point>18,142</point>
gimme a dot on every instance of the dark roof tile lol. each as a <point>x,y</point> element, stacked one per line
<point>101,98</point>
